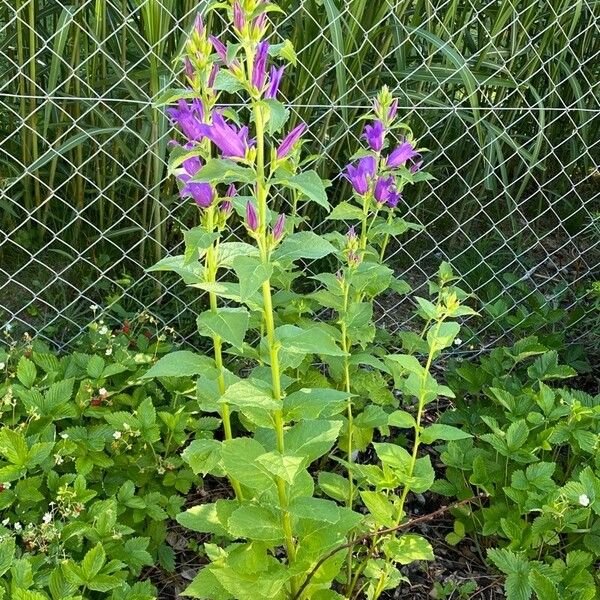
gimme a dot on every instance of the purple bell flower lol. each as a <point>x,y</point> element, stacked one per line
<point>401,154</point>
<point>189,68</point>
<point>192,165</point>
<point>259,68</point>
<point>226,208</point>
<point>359,176</point>
<point>199,25</point>
<point>290,140</point>
<point>232,142</point>
<point>274,81</point>
<point>212,75</point>
<point>231,191</point>
<point>203,193</point>
<point>394,198</point>
<point>189,118</point>
<point>374,135</point>
<point>383,189</point>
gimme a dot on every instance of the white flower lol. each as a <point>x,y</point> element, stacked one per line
<point>2,366</point>
<point>117,435</point>
<point>93,307</point>
<point>64,436</point>
<point>5,485</point>
<point>103,330</point>
<point>102,392</point>
<point>8,328</point>
<point>584,500</point>
<point>5,522</point>
<point>18,526</point>
<point>108,351</point>
<point>47,518</point>
<point>458,342</point>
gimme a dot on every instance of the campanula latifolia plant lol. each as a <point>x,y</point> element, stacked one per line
<point>313,392</point>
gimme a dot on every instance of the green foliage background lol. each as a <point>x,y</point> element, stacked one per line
<point>501,92</point>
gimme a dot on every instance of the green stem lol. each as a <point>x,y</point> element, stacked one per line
<point>346,345</point>
<point>420,409</point>
<point>211,276</point>
<point>269,323</point>
<point>415,450</point>
<point>386,239</point>
<point>364,223</point>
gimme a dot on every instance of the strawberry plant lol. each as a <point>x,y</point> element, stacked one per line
<point>90,466</point>
<point>534,452</point>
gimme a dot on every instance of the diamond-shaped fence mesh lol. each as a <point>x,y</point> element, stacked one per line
<point>504,94</point>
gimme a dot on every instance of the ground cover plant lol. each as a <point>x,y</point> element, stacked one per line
<point>90,464</point>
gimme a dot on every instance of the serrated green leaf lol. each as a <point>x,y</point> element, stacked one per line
<point>256,523</point>
<point>182,363</point>
<point>345,211</point>
<point>26,371</point>
<point>304,244</point>
<point>251,273</point>
<point>230,324</point>
<point>409,548</point>
<point>439,431</point>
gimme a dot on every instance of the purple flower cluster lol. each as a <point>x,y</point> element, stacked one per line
<point>198,121</point>
<point>365,176</point>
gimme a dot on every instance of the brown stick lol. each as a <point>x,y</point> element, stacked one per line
<point>380,532</point>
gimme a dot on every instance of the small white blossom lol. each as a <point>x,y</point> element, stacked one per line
<point>47,518</point>
<point>5,485</point>
<point>584,500</point>
<point>64,436</point>
<point>102,392</point>
<point>2,366</point>
<point>108,351</point>
<point>5,522</point>
<point>18,526</point>
<point>58,459</point>
<point>117,435</point>
<point>8,328</point>
<point>458,342</point>
<point>93,307</point>
<point>103,330</point>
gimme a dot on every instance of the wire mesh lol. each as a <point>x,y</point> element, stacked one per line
<point>503,93</point>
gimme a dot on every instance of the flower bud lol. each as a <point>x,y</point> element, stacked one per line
<point>226,208</point>
<point>199,25</point>
<point>251,217</point>
<point>239,19</point>
<point>189,69</point>
<point>279,228</point>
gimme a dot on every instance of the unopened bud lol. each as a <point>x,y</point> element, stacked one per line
<point>279,227</point>
<point>251,217</point>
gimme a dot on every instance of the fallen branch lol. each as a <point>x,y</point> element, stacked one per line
<point>378,533</point>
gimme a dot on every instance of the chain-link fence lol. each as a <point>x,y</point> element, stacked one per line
<point>504,93</point>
